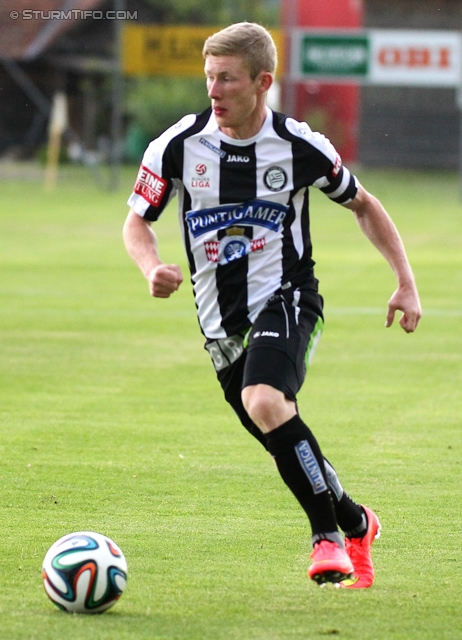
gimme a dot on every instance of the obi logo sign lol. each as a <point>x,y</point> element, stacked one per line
<point>414,57</point>
<point>419,58</point>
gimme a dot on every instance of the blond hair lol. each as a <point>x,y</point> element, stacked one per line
<point>250,41</point>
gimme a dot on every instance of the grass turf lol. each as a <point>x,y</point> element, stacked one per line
<point>111,420</point>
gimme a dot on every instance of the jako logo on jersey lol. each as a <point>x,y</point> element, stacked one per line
<point>201,169</point>
<point>275,178</point>
<point>150,186</point>
<point>231,158</point>
<point>337,166</point>
<point>212,147</point>
<point>253,212</point>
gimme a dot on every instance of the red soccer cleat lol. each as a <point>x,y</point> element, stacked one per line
<point>359,551</point>
<point>330,563</point>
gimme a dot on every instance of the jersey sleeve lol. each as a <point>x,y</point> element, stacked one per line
<point>159,174</point>
<point>153,189</point>
<point>337,182</point>
<point>324,165</point>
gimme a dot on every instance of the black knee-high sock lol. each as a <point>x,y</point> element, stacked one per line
<point>301,465</point>
<point>350,515</point>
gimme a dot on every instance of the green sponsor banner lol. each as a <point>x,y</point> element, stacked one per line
<point>335,55</point>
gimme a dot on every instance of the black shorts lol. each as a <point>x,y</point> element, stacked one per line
<point>276,350</point>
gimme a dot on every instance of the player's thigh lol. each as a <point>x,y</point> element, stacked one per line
<point>282,340</point>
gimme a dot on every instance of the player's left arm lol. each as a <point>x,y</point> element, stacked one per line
<point>379,228</point>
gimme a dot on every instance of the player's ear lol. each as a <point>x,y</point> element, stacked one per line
<point>265,80</point>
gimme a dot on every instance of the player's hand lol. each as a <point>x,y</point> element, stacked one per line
<point>405,299</point>
<point>164,280</point>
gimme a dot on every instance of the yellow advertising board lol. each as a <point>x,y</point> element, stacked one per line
<point>170,50</point>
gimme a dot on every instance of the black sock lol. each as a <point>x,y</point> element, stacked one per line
<point>350,515</point>
<point>301,465</point>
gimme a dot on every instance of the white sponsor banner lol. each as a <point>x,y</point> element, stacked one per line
<point>419,58</point>
<point>376,56</point>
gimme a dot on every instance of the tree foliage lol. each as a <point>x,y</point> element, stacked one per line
<point>154,104</point>
<point>220,12</point>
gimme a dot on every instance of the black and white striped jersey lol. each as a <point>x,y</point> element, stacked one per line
<point>243,209</point>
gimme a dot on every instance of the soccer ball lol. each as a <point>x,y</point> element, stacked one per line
<point>84,572</point>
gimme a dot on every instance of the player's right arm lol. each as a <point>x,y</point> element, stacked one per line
<point>141,244</point>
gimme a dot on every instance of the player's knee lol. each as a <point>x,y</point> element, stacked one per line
<point>267,407</point>
<point>257,402</point>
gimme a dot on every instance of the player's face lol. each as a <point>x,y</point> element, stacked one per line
<point>238,102</point>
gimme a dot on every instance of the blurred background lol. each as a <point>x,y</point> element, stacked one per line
<point>93,81</point>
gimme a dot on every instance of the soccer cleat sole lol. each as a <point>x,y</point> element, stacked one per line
<point>333,577</point>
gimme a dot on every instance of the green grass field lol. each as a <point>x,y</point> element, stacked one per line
<point>112,420</point>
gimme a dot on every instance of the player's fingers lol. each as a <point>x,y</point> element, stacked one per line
<point>162,289</point>
<point>390,316</point>
<point>165,277</point>
<point>170,275</point>
<point>164,280</point>
<point>409,322</point>
<point>177,273</point>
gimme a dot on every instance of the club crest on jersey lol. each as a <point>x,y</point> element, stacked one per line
<point>275,178</point>
<point>262,213</point>
<point>232,246</point>
<point>150,186</point>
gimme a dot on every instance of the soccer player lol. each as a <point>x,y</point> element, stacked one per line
<point>242,173</point>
